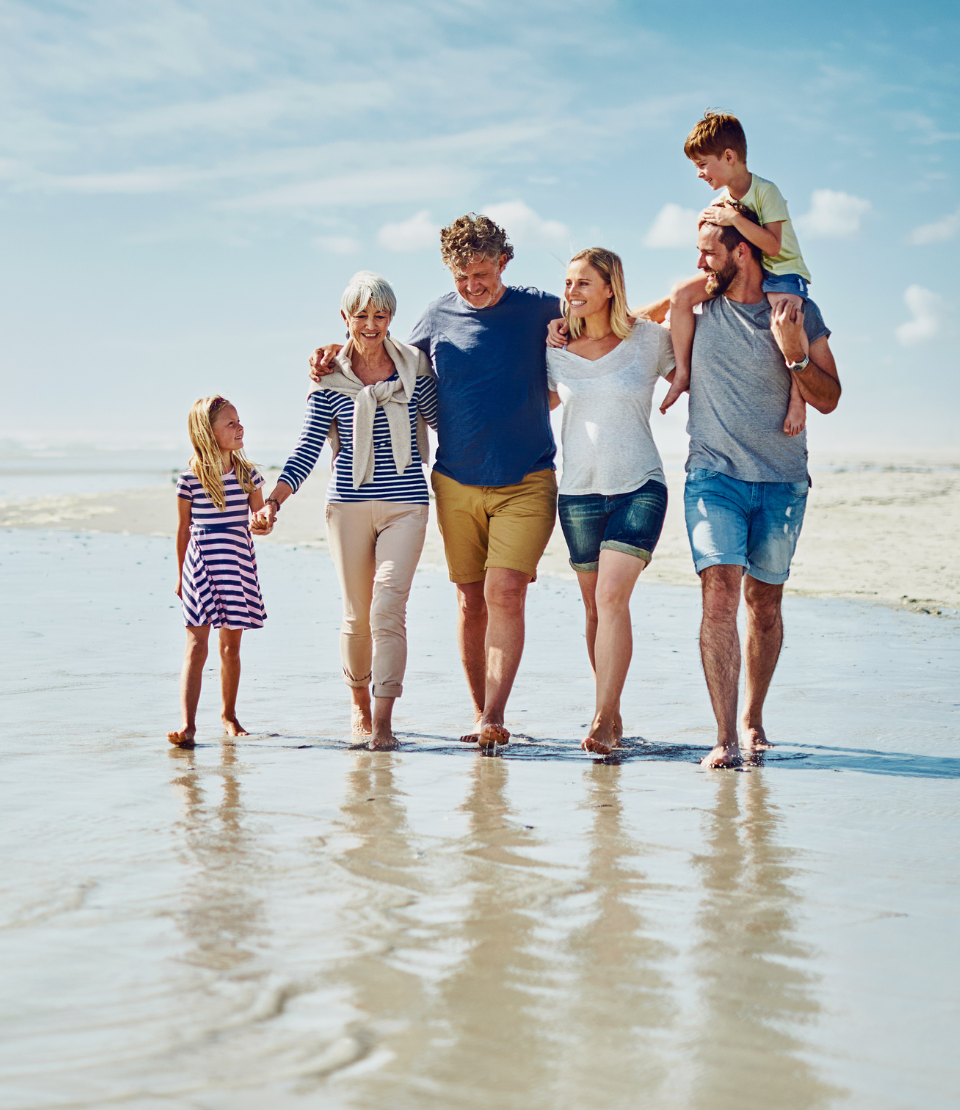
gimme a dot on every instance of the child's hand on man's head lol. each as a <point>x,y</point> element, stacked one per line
<point>721,214</point>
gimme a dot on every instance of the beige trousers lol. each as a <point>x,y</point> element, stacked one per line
<point>375,546</point>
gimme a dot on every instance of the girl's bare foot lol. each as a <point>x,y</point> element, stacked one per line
<point>184,738</point>
<point>604,735</point>
<point>232,727</point>
<point>754,739</point>
<point>722,756</point>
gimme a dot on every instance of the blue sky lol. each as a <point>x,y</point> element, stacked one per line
<point>186,187</point>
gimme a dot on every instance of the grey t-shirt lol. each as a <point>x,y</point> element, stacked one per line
<point>739,392</point>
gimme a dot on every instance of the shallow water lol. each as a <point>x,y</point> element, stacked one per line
<point>288,922</point>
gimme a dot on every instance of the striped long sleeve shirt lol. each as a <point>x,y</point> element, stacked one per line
<point>322,408</point>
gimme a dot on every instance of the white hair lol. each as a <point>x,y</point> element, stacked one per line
<point>366,286</point>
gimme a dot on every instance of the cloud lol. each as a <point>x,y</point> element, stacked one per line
<point>416,234</point>
<point>527,228</point>
<point>833,215</point>
<point>374,186</point>
<point>938,232</point>
<point>673,227</point>
<point>928,310</point>
<point>338,244</point>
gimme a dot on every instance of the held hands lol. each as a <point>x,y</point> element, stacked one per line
<point>557,333</point>
<point>321,361</point>
<point>261,523</point>
<point>786,324</point>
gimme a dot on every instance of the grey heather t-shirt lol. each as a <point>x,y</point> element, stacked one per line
<point>739,392</point>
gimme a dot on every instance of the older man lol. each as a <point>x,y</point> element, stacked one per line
<point>496,491</point>
<point>747,480</point>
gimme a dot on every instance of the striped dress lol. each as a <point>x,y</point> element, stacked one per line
<point>219,583</point>
<point>322,408</point>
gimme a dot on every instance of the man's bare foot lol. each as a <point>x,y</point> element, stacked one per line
<point>604,736</point>
<point>360,721</point>
<point>754,739</point>
<point>796,419</point>
<point>492,735</point>
<point>184,738</point>
<point>722,756</point>
<point>232,727</point>
<point>383,740</point>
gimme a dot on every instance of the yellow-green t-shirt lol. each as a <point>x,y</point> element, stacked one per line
<point>764,198</point>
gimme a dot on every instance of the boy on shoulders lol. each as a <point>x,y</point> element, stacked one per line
<point>717,146</point>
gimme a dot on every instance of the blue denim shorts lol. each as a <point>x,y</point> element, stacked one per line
<point>754,525</point>
<point>627,522</point>
<point>785,283</point>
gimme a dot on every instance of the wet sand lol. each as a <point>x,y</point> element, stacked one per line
<point>284,921</point>
<point>880,531</point>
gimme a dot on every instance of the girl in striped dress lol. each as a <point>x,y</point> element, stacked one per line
<point>217,565</point>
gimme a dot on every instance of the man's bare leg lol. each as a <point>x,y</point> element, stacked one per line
<point>361,711</point>
<point>381,736</point>
<point>505,592</point>
<point>471,639</point>
<point>761,652</point>
<point>720,655</point>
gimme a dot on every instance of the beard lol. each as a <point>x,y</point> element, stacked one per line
<point>718,281</point>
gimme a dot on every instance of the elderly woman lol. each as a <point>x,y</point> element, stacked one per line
<point>613,495</point>
<point>374,409</point>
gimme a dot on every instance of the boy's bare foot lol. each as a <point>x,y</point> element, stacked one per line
<point>492,735</point>
<point>722,756</point>
<point>796,419</point>
<point>754,739</point>
<point>360,721</point>
<point>678,387</point>
<point>184,738</point>
<point>603,736</point>
<point>232,727</point>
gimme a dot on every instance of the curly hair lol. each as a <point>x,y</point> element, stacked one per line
<point>472,236</point>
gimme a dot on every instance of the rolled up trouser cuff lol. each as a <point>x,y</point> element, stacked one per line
<point>387,689</point>
<point>356,683</point>
<point>627,549</point>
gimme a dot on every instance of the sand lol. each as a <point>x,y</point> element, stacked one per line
<point>285,922</point>
<point>882,532</point>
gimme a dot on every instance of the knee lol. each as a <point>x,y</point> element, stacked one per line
<point>683,296</point>
<point>611,597</point>
<point>764,608</point>
<point>229,651</point>
<point>506,597</point>
<point>470,598</point>
<point>721,599</point>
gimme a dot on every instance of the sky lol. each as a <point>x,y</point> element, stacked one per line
<point>185,188</point>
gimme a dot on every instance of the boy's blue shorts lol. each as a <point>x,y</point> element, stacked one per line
<point>785,283</point>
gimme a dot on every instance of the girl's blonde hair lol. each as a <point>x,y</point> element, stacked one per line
<point>207,461</point>
<point>610,268</point>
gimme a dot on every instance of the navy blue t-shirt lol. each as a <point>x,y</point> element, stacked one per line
<point>493,415</point>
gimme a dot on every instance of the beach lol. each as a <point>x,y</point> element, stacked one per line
<point>289,920</point>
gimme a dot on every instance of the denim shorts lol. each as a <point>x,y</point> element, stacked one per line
<point>754,525</point>
<point>627,522</point>
<point>785,283</point>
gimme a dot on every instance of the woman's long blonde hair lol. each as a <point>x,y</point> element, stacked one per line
<point>207,461</point>
<point>610,268</point>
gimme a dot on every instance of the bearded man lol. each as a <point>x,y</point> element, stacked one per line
<point>747,480</point>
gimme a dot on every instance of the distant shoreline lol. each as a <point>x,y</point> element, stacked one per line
<point>879,532</point>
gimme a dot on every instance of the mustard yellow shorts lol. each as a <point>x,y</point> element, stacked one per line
<point>495,526</point>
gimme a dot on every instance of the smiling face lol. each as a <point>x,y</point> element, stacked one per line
<point>368,327</point>
<point>585,290</point>
<point>227,429</point>
<point>479,281</point>
<point>716,170</point>
<point>720,264</point>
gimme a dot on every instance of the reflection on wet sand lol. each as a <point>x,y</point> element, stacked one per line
<point>621,1001</point>
<point>751,963</point>
<point>222,919</point>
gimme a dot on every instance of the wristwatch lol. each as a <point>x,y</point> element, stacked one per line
<point>799,367</point>
<point>274,501</point>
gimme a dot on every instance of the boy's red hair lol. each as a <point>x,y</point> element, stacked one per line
<point>714,134</point>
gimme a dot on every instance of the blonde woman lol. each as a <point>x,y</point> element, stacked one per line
<point>374,408</point>
<point>216,564</point>
<point>613,495</point>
